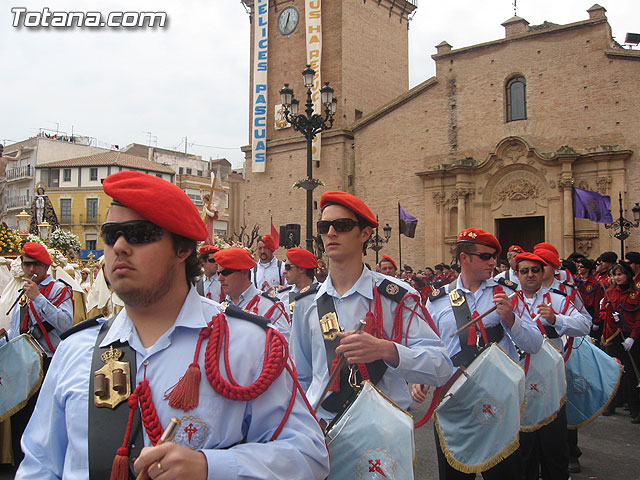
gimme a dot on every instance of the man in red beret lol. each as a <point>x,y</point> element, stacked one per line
<point>209,286</point>
<point>397,345</point>
<point>511,274</point>
<point>160,343</point>
<point>234,273</point>
<point>475,292</point>
<point>548,446</point>
<point>300,271</point>
<point>388,266</point>
<point>47,313</point>
<point>269,271</point>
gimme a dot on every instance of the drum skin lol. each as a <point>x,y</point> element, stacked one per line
<point>478,420</point>
<point>373,438</point>
<point>20,374</point>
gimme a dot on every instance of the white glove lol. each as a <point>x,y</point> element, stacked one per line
<point>628,343</point>
<point>616,317</point>
<point>595,327</point>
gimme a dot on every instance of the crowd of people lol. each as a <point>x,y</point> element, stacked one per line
<point>256,359</point>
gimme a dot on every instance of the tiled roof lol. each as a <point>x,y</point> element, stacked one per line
<point>117,159</point>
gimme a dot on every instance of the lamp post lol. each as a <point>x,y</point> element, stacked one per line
<point>622,226</point>
<point>309,125</point>
<point>377,241</point>
<point>44,230</point>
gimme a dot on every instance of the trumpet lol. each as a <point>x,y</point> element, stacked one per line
<point>21,296</point>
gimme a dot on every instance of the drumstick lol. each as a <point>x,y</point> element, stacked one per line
<point>336,371</point>
<point>479,317</point>
<point>167,436</point>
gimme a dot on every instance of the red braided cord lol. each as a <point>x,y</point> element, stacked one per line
<point>253,303</point>
<point>148,412</point>
<point>274,363</point>
<point>132,401</point>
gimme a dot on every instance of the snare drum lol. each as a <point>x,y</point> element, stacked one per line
<point>545,388</point>
<point>593,378</point>
<point>478,419</point>
<point>20,374</point>
<point>372,439</point>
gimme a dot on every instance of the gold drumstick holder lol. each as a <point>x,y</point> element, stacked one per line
<point>111,383</point>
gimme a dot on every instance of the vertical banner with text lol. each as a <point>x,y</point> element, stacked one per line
<point>260,49</point>
<point>313,17</point>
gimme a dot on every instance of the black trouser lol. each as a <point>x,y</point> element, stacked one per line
<point>20,419</point>
<point>547,447</point>
<point>508,469</point>
<point>574,449</point>
<point>628,391</point>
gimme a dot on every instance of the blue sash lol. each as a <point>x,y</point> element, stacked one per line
<point>592,381</point>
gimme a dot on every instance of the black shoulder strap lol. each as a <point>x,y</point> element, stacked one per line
<point>255,275</point>
<point>200,287</point>
<point>338,401</point>
<point>107,426</point>
<point>507,274</point>
<point>462,314</point>
<point>437,293</point>
<point>280,272</point>
<point>392,290</point>
<point>237,312</point>
<point>311,290</point>
<point>266,295</point>
<point>559,292</point>
<point>90,322</point>
<point>507,283</point>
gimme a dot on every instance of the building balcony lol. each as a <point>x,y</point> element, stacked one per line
<point>67,220</point>
<point>19,173</point>
<point>20,201</point>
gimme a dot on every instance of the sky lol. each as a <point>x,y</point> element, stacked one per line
<point>191,78</point>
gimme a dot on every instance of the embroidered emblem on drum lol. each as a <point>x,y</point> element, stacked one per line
<point>192,432</point>
<point>536,387</point>
<point>392,289</point>
<point>376,463</point>
<point>578,385</point>
<point>488,410</point>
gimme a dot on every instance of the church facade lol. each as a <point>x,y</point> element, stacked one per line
<point>497,139</point>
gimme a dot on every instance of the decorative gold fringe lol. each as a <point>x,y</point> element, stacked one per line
<point>599,412</point>
<point>33,390</point>
<point>465,468</point>
<point>547,420</point>
<point>607,342</point>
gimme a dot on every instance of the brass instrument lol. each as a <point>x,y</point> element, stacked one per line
<point>22,298</point>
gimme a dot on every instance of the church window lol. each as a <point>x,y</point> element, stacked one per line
<point>516,99</point>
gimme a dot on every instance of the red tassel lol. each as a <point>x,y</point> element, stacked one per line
<point>186,393</point>
<point>120,467</point>
<point>335,387</point>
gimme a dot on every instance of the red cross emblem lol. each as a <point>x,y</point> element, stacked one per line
<point>486,408</point>
<point>190,430</point>
<point>374,466</point>
<point>533,386</point>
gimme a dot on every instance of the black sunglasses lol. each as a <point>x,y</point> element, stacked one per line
<point>226,272</point>
<point>525,270</point>
<point>340,225</point>
<point>135,232</point>
<point>483,256</point>
<point>211,260</point>
<point>32,264</point>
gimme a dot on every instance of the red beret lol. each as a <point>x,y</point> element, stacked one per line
<point>548,256</point>
<point>157,200</point>
<point>516,248</point>
<point>389,259</point>
<point>269,242</point>
<point>235,259</point>
<point>530,256</point>
<point>37,251</point>
<point>208,249</point>
<point>479,236</point>
<point>547,246</point>
<point>302,258</point>
<point>351,202</point>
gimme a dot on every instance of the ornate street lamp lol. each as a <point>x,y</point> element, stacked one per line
<point>377,241</point>
<point>44,230</point>
<point>622,226</point>
<point>309,125</point>
<point>23,219</point>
